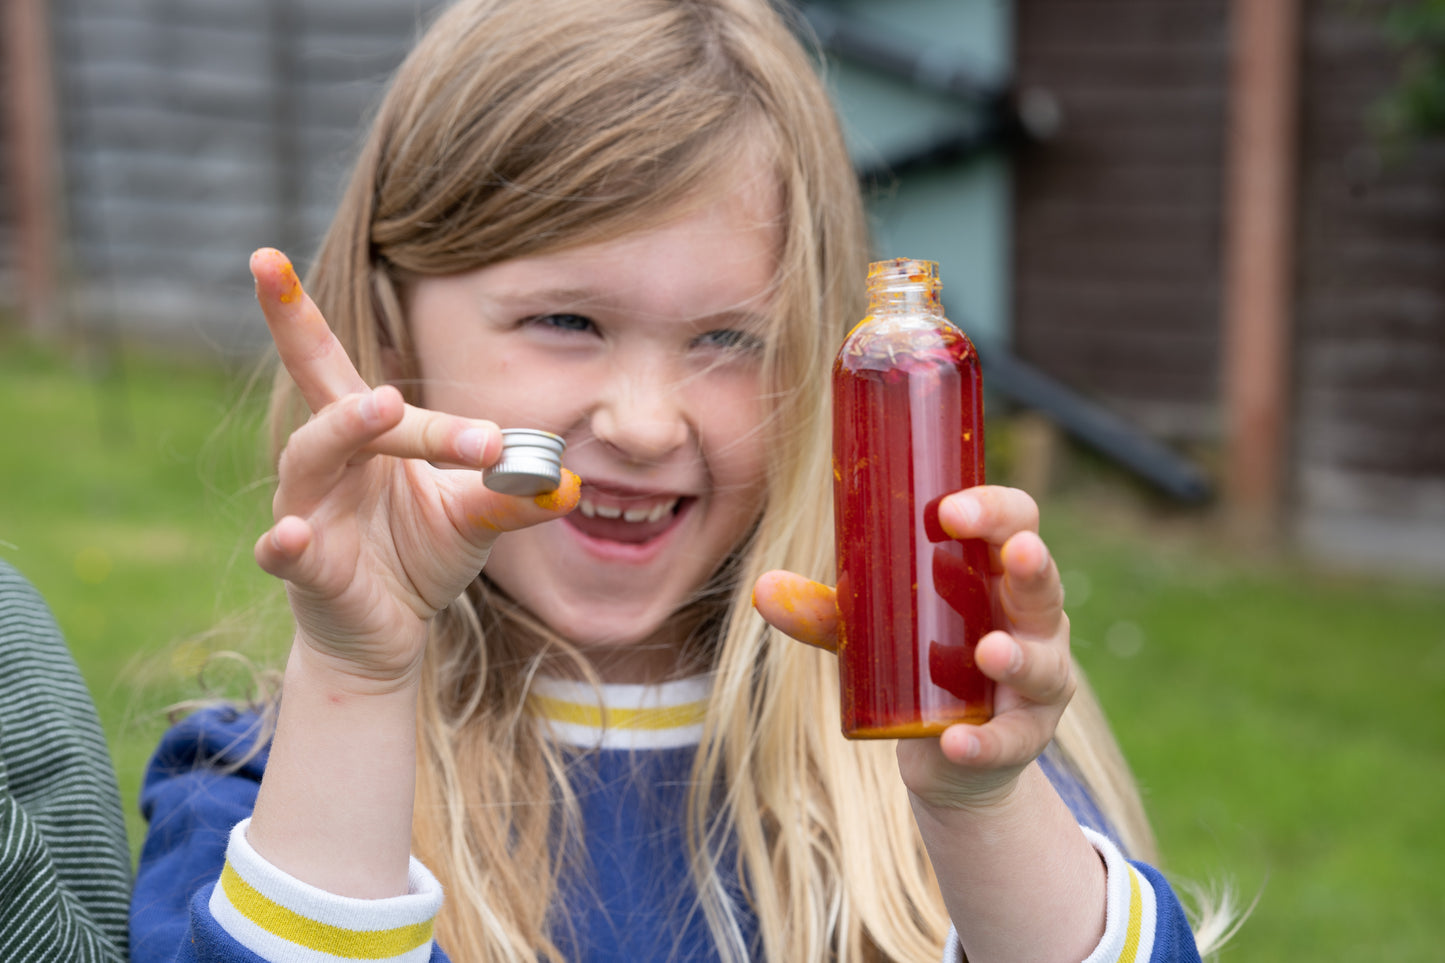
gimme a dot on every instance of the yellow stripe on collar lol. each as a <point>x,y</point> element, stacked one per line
<point>610,717</point>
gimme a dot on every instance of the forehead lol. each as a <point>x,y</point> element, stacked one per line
<point>714,254</point>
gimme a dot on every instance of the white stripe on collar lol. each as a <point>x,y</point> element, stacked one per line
<point>616,716</point>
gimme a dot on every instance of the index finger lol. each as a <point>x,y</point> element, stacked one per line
<point>310,351</point>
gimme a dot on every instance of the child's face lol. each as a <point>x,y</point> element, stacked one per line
<point>643,353</point>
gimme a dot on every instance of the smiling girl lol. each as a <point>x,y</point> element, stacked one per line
<point>632,224</point>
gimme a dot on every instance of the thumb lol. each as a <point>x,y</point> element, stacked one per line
<point>798,607</point>
<point>490,513</point>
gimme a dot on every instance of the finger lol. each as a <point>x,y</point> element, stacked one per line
<point>315,359</point>
<point>485,513</point>
<point>1031,593</point>
<point>1040,672</point>
<point>799,607</point>
<point>1011,740</point>
<point>443,439</point>
<point>989,512</point>
<point>320,451</point>
<point>279,551</point>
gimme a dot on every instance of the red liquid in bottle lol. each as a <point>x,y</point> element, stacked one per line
<point>907,430</point>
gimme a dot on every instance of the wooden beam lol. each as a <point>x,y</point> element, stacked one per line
<point>1259,266</point>
<point>32,160</point>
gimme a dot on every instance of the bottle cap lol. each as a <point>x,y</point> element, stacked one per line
<point>531,463</point>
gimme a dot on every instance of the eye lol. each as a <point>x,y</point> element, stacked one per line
<point>731,340</point>
<point>563,322</point>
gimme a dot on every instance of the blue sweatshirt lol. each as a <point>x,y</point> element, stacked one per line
<point>202,893</point>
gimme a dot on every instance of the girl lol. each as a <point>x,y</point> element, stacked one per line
<point>633,224</point>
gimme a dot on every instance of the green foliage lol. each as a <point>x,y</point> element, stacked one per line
<point>1415,107</point>
<point>1284,722</point>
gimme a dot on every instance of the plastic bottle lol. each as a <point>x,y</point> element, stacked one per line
<point>907,430</point>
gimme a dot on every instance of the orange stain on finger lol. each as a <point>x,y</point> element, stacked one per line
<point>564,497</point>
<point>290,285</point>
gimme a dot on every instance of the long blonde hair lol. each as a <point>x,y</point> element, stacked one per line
<point>518,127</point>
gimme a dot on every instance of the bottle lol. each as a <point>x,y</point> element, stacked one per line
<point>907,430</point>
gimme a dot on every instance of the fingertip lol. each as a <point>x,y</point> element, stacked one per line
<point>287,541</point>
<point>564,497</point>
<point>960,744</point>
<point>999,656</point>
<point>275,275</point>
<point>1026,554</point>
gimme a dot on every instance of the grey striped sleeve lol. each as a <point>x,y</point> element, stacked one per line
<point>64,861</point>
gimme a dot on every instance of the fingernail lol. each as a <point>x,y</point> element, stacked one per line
<point>471,443</point>
<point>368,407</point>
<point>1015,658</point>
<point>966,515</point>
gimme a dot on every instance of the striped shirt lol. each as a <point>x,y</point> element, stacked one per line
<point>64,861</point>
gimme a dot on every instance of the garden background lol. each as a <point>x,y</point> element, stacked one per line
<point>1203,235</point>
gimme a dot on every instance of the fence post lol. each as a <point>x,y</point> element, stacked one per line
<point>32,161</point>
<point>1259,257</point>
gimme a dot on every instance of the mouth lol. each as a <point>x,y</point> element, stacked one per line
<point>632,518</point>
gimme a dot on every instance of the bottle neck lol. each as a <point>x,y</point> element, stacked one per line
<point>904,286</point>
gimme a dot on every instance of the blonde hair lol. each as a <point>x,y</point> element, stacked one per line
<point>518,127</point>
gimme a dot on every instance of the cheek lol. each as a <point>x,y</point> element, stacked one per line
<point>739,451</point>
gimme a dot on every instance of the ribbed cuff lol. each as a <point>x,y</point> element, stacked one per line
<point>280,918</point>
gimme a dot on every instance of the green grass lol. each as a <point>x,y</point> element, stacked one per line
<point>1286,723</point>
<point>131,513</point>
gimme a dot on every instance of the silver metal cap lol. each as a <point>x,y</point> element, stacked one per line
<point>531,463</point>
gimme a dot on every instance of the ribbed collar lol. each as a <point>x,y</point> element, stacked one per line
<point>614,716</point>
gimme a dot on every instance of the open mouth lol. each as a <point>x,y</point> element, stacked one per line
<point>632,518</point>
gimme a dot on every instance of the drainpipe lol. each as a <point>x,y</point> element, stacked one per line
<point>1259,252</point>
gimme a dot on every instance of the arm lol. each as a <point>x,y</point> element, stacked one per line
<point>64,862</point>
<point>372,540</point>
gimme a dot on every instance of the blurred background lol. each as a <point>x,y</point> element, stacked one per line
<point>1201,247</point>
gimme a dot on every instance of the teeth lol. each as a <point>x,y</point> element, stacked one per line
<point>661,510</point>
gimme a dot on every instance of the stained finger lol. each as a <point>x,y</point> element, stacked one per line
<point>799,607</point>
<point>310,351</point>
<point>483,513</point>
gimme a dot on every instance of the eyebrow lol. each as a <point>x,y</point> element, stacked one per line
<point>577,297</point>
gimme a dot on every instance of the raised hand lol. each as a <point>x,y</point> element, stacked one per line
<point>1028,656</point>
<point>370,535</point>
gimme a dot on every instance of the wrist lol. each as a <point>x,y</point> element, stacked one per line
<point>313,665</point>
<point>958,807</point>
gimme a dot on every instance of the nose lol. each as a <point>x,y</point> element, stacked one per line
<point>641,413</point>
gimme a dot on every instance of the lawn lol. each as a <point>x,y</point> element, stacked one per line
<point>1287,723</point>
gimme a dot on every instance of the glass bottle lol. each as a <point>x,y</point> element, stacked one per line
<point>907,430</point>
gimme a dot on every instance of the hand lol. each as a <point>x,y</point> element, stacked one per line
<point>1027,655</point>
<point>370,536</point>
